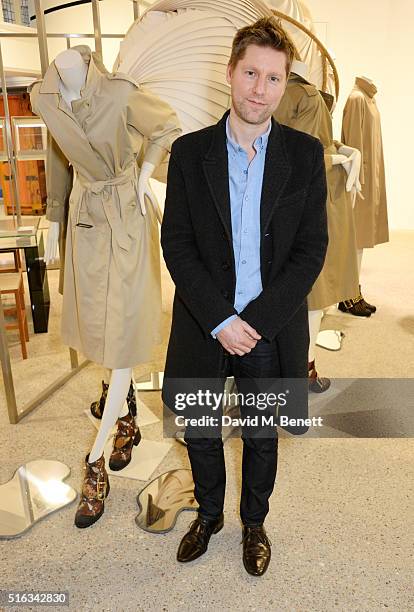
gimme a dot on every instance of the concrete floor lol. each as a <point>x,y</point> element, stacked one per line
<point>341,519</point>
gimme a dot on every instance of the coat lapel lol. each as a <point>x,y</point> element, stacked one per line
<point>216,170</point>
<point>276,174</point>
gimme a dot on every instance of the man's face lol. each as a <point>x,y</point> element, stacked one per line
<point>258,82</point>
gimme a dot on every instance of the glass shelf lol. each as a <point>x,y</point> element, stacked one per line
<point>30,138</point>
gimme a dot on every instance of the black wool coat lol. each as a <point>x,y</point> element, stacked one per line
<point>196,238</point>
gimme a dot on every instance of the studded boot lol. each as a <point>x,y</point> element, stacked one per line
<point>95,489</point>
<point>355,306</point>
<point>98,407</point>
<point>127,436</point>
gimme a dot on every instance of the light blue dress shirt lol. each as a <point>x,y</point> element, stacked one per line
<point>245,186</point>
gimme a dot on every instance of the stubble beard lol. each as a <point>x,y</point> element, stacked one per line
<point>249,115</point>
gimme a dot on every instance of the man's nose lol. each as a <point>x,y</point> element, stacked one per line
<point>260,86</point>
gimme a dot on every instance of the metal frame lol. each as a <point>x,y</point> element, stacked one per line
<point>14,414</point>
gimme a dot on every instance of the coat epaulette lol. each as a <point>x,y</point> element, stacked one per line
<point>309,89</point>
<point>121,76</point>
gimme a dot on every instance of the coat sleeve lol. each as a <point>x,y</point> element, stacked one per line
<point>59,181</point>
<point>193,281</point>
<point>284,295</point>
<point>352,127</point>
<point>154,119</point>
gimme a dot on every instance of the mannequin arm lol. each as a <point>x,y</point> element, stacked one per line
<point>52,242</point>
<point>144,189</point>
<point>352,166</point>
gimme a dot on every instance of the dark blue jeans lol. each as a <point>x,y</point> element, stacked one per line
<point>259,462</point>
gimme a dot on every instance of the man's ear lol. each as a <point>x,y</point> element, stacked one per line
<point>229,73</point>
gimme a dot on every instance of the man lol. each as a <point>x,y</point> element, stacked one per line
<point>244,238</point>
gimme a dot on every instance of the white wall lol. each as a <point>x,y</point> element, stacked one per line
<point>375,38</point>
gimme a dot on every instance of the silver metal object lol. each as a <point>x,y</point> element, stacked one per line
<point>161,501</point>
<point>36,490</point>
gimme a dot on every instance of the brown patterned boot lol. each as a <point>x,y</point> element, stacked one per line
<point>127,436</point>
<point>95,489</point>
<point>98,407</point>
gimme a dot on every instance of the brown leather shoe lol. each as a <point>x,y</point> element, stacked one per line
<point>256,550</point>
<point>317,384</point>
<point>95,489</point>
<point>127,436</point>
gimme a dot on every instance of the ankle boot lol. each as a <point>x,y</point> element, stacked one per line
<point>95,489</point>
<point>355,306</point>
<point>316,383</point>
<point>370,307</point>
<point>127,436</point>
<point>98,407</point>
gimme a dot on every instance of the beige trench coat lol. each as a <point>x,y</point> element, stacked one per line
<point>361,128</point>
<point>112,296</point>
<point>303,108</point>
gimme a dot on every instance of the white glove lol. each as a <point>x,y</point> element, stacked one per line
<point>352,167</point>
<point>52,242</point>
<point>144,189</point>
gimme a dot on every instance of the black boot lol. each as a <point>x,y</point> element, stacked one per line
<point>355,306</point>
<point>370,307</point>
<point>195,542</point>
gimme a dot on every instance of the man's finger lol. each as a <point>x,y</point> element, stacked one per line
<point>251,331</point>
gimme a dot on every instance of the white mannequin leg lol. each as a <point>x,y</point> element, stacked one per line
<point>315,318</point>
<point>359,257</point>
<point>117,393</point>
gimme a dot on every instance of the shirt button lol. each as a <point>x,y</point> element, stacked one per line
<point>244,261</point>
<point>244,231</point>
<point>240,292</point>
<point>245,171</point>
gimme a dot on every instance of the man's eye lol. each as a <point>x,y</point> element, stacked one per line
<point>274,79</point>
<point>249,72</point>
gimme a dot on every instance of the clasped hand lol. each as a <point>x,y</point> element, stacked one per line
<point>238,337</point>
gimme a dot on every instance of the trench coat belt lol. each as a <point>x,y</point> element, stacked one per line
<point>126,186</point>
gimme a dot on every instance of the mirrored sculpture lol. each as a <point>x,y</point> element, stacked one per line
<point>35,491</point>
<point>162,500</point>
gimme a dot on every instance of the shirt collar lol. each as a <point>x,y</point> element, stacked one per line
<point>260,142</point>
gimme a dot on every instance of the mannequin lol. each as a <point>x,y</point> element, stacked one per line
<point>112,286</point>
<point>304,109</point>
<point>72,71</point>
<point>361,127</point>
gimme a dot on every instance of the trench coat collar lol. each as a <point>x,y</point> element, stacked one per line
<point>275,177</point>
<point>96,69</point>
<point>368,88</point>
